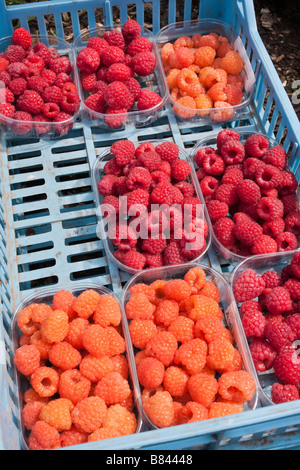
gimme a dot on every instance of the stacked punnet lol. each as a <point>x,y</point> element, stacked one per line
<point>187,364</point>
<point>73,355</point>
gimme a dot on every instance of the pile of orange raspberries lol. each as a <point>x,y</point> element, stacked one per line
<point>73,355</point>
<point>187,365</point>
<point>203,72</point>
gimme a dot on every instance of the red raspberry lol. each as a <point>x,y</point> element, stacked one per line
<point>226,134</point>
<point>115,118</point>
<point>276,156</point>
<point>131,30</point>
<point>117,95</point>
<point>249,305</point>
<point>107,185</point>
<point>287,366</point>
<point>37,83</point>
<point>263,245</point>
<point>23,122</point>
<point>268,177</point>
<point>4,77</point>
<point>61,79</point>
<point>18,86</point>
<point>148,99</point>
<point>269,208</point>
<point>292,223</point>
<point>213,164</point>
<point>34,61</point>
<point>274,227</point>
<point>52,94</point>
<point>99,87</point>
<point>134,87</point>
<point>263,354</point>
<point>186,188</point>
<point>173,255</point>
<point>217,210</point>
<point>293,286</point>
<point>17,70</point>
<point>96,102</point>
<point>137,200</point>
<point>143,63</point>
<point>180,170</point>
<point>233,152</point>
<point>279,334</point>
<point>61,65</point>
<point>284,393</point>
<point>248,286</point>
<point>14,53</point>
<point>227,193</point>
<point>289,183</point>
<point>254,324</point>
<point>88,80</point>
<point>139,177</point>
<point>224,231</point>
<point>50,110</point>
<point>290,204</point>
<point>134,260</point>
<point>150,160</point>
<point>154,246</point>
<point>124,151</point>
<point>118,72</point>
<point>112,55</point>
<point>70,103</point>
<point>279,301</point>
<point>248,232</point>
<point>248,192</point>
<point>138,45</point>
<point>125,238</point>
<point>99,44</point>
<point>286,241</point>
<point>88,60</point>
<point>49,76</point>
<point>272,279</point>
<point>66,123</point>
<point>256,146</point>
<point>114,38</point>
<point>7,109</point>
<point>31,102</point>
<point>43,437</point>
<point>3,64</point>
<point>162,194</point>
<point>168,151</point>
<point>6,95</point>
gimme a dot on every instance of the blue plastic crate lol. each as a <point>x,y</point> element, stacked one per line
<point>48,216</point>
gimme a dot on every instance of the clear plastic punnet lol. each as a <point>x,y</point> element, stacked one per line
<point>45,295</point>
<point>231,317</point>
<point>98,174</point>
<point>214,115</point>
<point>154,81</point>
<point>211,141</point>
<point>14,128</point>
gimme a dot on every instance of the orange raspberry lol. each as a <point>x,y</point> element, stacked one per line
<point>108,311</point>
<point>73,437</point>
<point>223,48</point>
<point>203,389</point>
<point>74,386</point>
<point>43,437</point>
<point>196,278</point>
<point>204,56</point>
<point>163,347</point>
<point>236,80</point>
<point>63,355</point>
<point>25,340</point>
<point>204,306</point>
<point>217,93</point>
<point>186,78</point>
<point>177,410</point>
<point>141,331</point>
<point>89,414</point>
<point>196,40</point>
<point>217,76</point>
<point>166,52</point>
<point>95,368</point>
<point>185,107</point>
<point>237,362</point>
<point>95,340</point>
<point>139,356</point>
<point>204,73</point>
<point>177,289</point>
<point>232,63</point>
<point>192,355</point>
<point>139,306</point>
<point>75,332</point>
<point>85,304</point>
<point>217,63</point>
<point>205,103</point>
<point>185,56</point>
<point>192,412</point>
<point>183,41</point>
<point>27,359</point>
<point>219,409</point>
<point>182,328</point>
<point>25,322</point>
<point>103,433</point>
<point>195,68</point>
<point>166,312</point>
<point>220,354</point>
<point>209,40</point>
<point>55,327</point>
<point>57,413</point>
<point>31,413</point>
<point>43,346</point>
<point>31,395</point>
<point>116,341</point>
<point>234,94</point>
<point>150,372</point>
<point>237,386</point>
<point>173,63</point>
<point>210,290</point>
<point>209,327</point>
<point>45,381</point>
<point>223,111</point>
<point>64,300</point>
<point>112,388</point>
<point>40,312</point>
<point>160,409</point>
<point>175,381</point>
<point>120,365</point>
<point>158,287</point>
<point>144,288</point>
<point>193,90</point>
<point>120,419</point>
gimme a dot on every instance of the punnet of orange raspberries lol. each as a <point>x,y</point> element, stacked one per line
<point>113,69</point>
<point>203,74</point>
<point>72,355</point>
<point>187,364</point>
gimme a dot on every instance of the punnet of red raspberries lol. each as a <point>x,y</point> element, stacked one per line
<point>147,195</point>
<point>269,306</point>
<point>38,92</point>
<point>73,364</point>
<point>250,195</point>
<point>188,366</point>
<point>113,69</point>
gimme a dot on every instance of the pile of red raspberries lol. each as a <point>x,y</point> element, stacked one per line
<point>37,87</point>
<point>159,192</point>
<point>110,67</point>
<point>250,195</point>
<point>269,309</point>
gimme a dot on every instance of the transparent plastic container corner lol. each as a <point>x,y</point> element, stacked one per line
<point>98,173</point>
<point>261,264</point>
<point>211,141</point>
<point>213,115</point>
<point>231,317</point>
<point>154,82</point>
<point>45,295</point>
<point>42,129</point>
